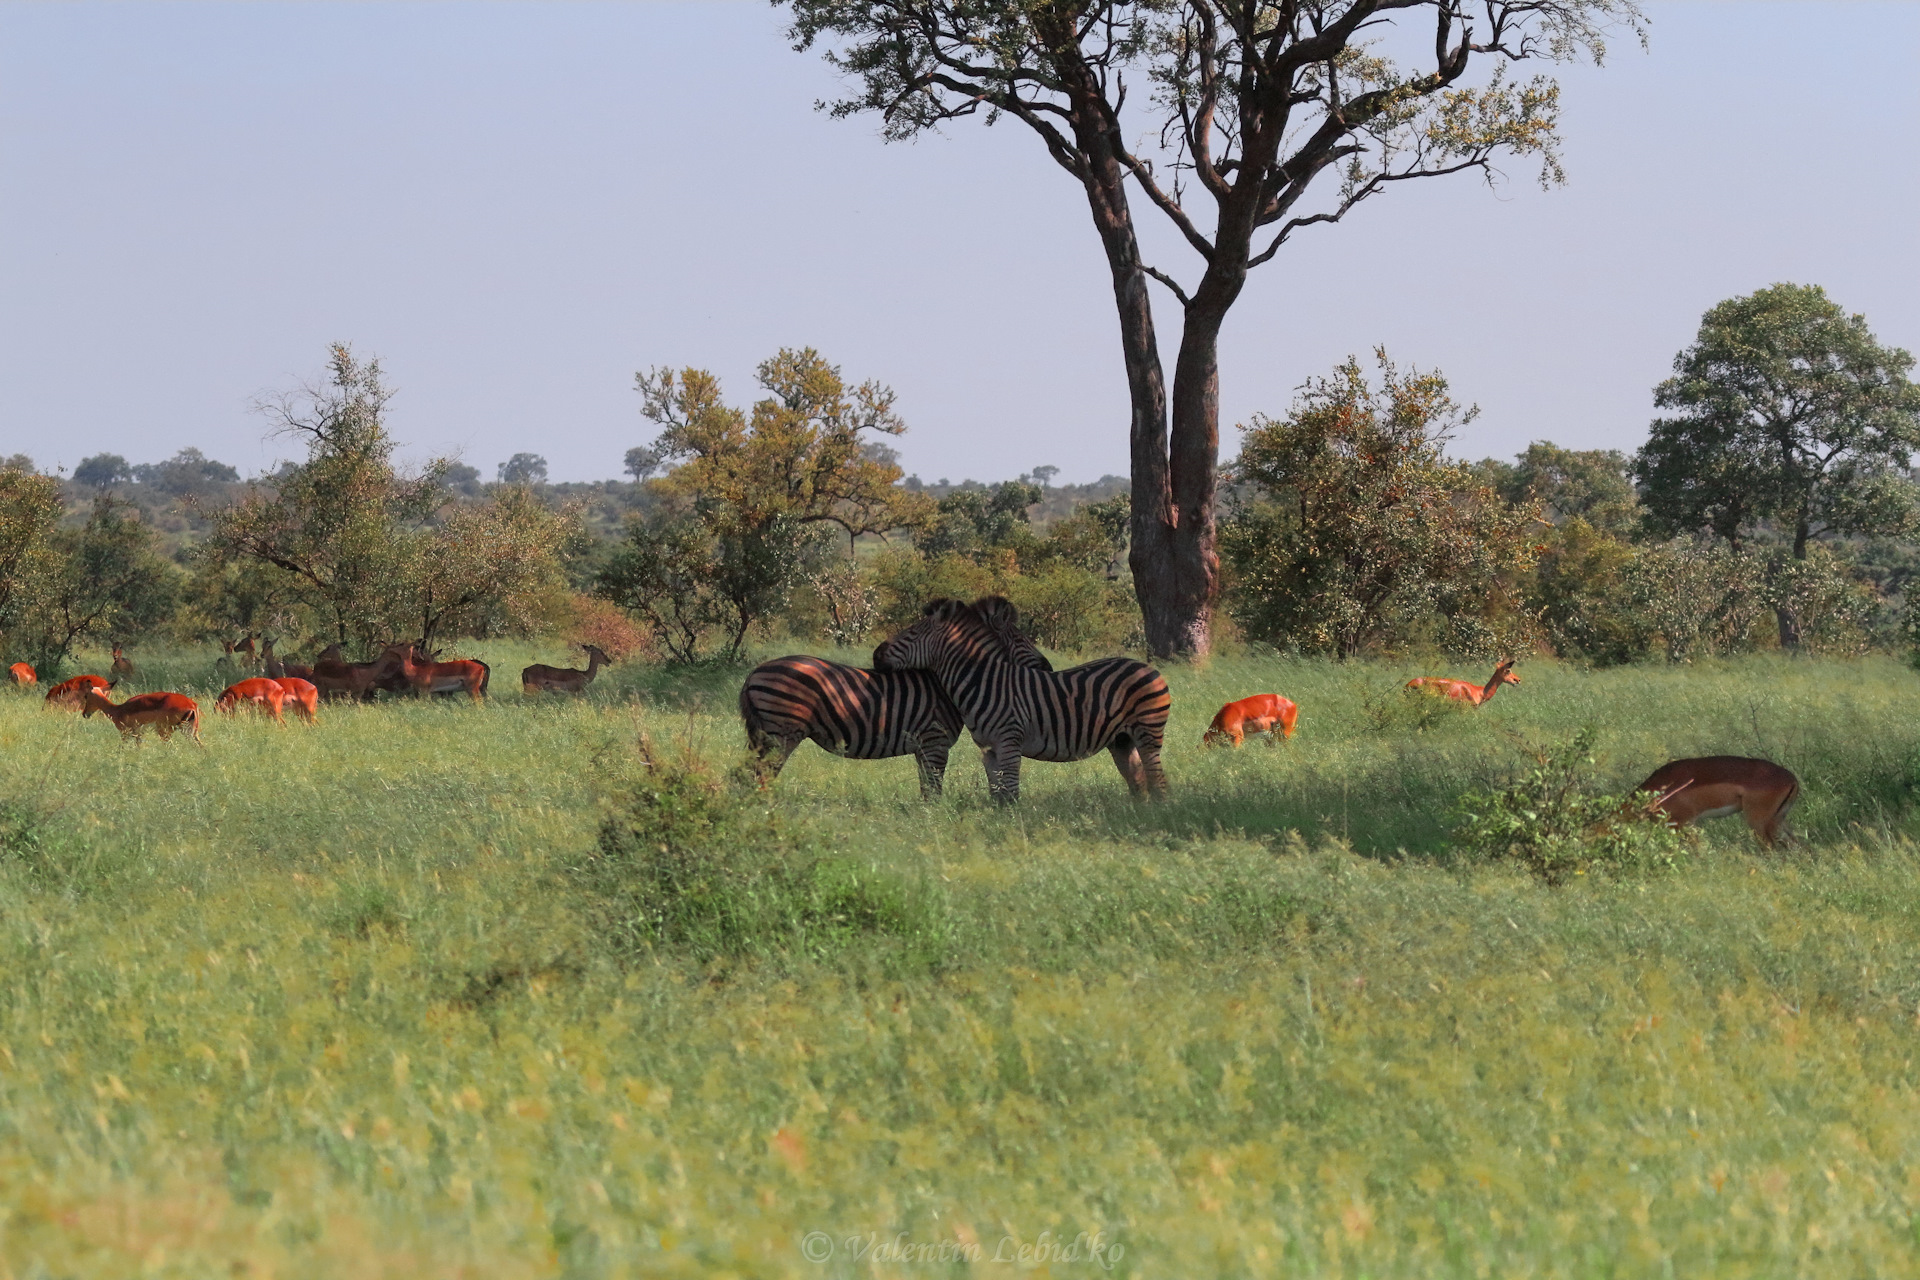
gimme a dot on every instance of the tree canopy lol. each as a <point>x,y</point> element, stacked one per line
<point>1356,533</point>
<point>1785,409</point>
<point>1242,123</point>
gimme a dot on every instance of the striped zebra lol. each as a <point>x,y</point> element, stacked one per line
<point>859,714</point>
<point>1016,712</point>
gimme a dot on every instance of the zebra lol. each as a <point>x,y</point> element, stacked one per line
<point>859,714</point>
<point>1013,711</point>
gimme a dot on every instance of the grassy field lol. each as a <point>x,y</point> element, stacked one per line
<point>341,1000</point>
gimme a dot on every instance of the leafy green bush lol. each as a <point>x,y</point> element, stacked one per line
<point>1550,820</point>
<point>692,863</point>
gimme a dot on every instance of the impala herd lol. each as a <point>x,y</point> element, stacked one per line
<point>960,666</point>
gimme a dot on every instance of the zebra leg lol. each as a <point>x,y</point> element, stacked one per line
<point>932,759</point>
<point>1003,770</point>
<point>1127,760</point>
<point>1150,770</point>
<point>770,755</point>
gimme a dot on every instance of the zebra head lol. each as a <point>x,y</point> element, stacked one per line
<point>945,625</point>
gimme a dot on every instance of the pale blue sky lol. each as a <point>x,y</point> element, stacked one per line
<point>517,206</point>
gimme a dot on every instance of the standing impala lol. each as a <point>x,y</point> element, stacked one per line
<point>1720,786</point>
<point>1465,691</point>
<point>540,678</point>
<point>462,674</point>
<point>164,711</point>
<point>121,667</point>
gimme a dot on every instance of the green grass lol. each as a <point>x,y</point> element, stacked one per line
<point>338,1000</point>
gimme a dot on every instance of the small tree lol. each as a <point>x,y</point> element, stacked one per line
<point>803,454</point>
<point>29,510</point>
<point>102,471</point>
<point>1785,409</point>
<point>690,574</point>
<point>1593,485</point>
<point>524,468</point>
<point>1355,531</point>
<point>487,567</point>
<point>339,522</point>
<point>105,583</point>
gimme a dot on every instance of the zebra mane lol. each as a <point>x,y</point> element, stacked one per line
<point>997,621</point>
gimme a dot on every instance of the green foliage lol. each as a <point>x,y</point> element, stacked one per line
<point>372,552</point>
<point>1590,485</point>
<point>341,522</point>
<point>696,575</point>
<point>1583,592</point>
<point>101,582</point>
<point>29,508</point>
<point>1786,409</point>
<point>689,862</point>
<point>1356,534</point>
<point>803,454</point>
<point>982,524</point>
<point>1552,821</point>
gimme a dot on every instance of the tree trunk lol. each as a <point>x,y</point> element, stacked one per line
<point>1789,624</point>
<point>1172,540</point>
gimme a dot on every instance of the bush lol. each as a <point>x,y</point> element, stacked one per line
<point>691,863</point>
<point>1551,821</point>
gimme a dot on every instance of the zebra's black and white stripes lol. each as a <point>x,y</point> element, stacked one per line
<point>859,714</point>
<point>1015,712</point>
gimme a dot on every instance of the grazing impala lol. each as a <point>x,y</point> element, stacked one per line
<point>72,693</point>
<point>261,692</point>
<point>1719,786</point>
<point>1465,691</point>
<point>1262,713</point>
<point>468,674</point>
<point>164,711</point>
<point>121,667</point>
<point>24,676</point>
<point>540,678</point>
<point>302,696</point>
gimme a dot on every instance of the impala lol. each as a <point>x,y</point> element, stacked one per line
<point>541,678</point>
<point>164,711</point>
<point>261,692</point>
<point>338,679</point>
<point>72,693</point>
<point>269,663</point>
<point>1466,691</point>
<point>249,656</point>
<point>1720,786</point>
<point>121,667</point>
<point>1262,713</point>
<point>467,674</point>
<point>24,676</point>
<point>302,696</point>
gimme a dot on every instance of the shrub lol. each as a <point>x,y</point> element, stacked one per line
<point>691,863</point>
<point>1551,820</point>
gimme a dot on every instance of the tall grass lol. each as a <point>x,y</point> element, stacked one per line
<point>338,1000</point>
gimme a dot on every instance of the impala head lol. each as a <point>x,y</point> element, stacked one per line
<point>93,700</point>
<point>941,623</point>
<point>595,651</point>
<point>1503,672</point>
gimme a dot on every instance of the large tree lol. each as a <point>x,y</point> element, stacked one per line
<point>1785,410</point>
<point>1249,106</point>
